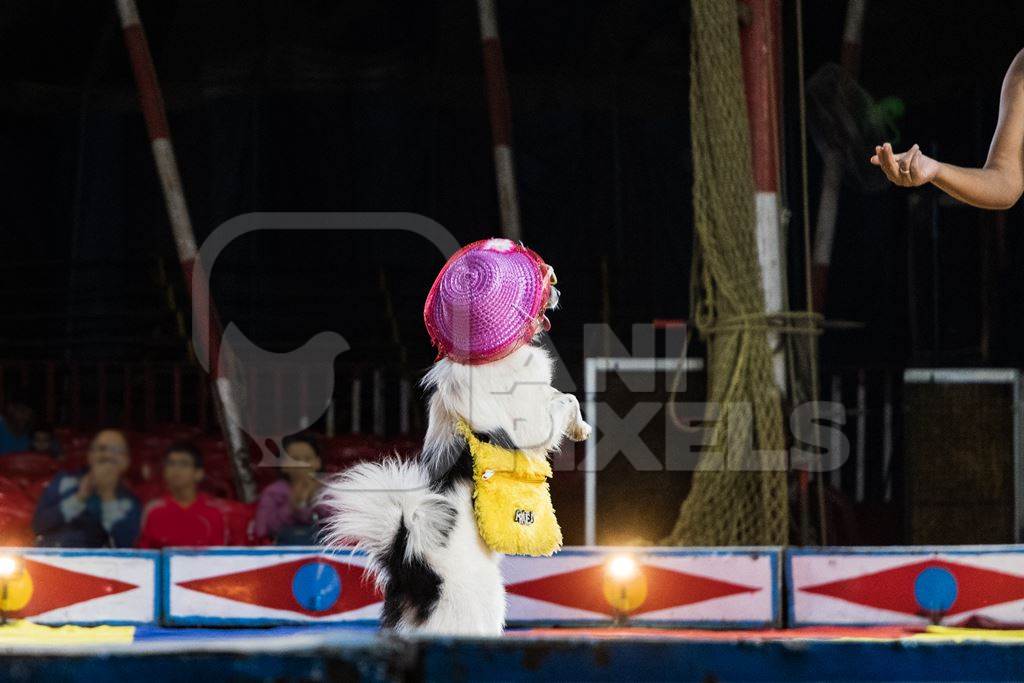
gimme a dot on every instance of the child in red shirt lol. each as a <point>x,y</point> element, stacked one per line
<point>182,517</point>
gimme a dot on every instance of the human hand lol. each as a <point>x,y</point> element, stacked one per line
<point>85,487</point>
<point>908,169</point>
<point>303,489</point>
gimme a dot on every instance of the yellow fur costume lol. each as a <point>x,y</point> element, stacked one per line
<point>511,499</point>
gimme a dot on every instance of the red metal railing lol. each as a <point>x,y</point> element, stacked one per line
<point>143,395</point>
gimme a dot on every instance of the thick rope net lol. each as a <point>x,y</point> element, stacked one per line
<point>739,493</point>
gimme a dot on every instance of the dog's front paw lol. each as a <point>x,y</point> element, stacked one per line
<point>579,431</point>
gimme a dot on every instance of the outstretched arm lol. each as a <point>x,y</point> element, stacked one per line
<point>996,185</point>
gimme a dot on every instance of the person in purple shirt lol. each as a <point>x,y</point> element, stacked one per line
<point>287,511</point>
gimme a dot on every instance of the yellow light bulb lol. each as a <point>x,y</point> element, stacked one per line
<point>9,566</point>
<point>625,585</point>
<point>622,567</point>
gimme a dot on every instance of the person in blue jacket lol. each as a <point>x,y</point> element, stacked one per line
<point>91,509</point>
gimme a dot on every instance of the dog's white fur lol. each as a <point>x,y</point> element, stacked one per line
<point>371,501</point>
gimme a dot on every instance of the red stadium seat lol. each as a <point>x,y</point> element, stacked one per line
<point>74,461</point>
<point>211,444</point>
<point>238,520</point>
<point>176,432</point>
<point>13,496</point>
<point>146,491</point>
<point>34,487</point>
<point>16,510</point>
<point>28,464</point>
<point>405,446</point>
<point>23,476</point>
<point>74,441</point>
<point>150,444</point>
<point>219,487</point>
<point>343,451</point>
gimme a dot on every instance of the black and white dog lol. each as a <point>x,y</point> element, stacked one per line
<point>415,520</point>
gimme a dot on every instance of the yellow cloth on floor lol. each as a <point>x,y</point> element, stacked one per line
<point>22,632</point>
<point>956,634</point>
<point>511,499</point>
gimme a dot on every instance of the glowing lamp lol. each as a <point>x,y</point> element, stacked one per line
<point>10,567</point>
<point>625,585</point>
<point>622,568</point>
<point>15,586</point>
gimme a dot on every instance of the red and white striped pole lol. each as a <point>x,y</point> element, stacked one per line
<point>832,175</point>
<point>501,119</point>
<point>153,111</point>
<point>761,47</point>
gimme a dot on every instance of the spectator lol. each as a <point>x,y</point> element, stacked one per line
<point>14,427</point>
<point>287,510</point>
<point>43,441</point>
<point>91,509</point>
<point>184,516</point>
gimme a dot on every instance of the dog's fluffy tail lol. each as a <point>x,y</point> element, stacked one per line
<point>372,503</point>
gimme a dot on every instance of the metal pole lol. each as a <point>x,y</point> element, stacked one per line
<point>176,409</point>
<point>860,492</point>
<point>590,453</point>
<point>51,392</point>
<point>101,393</point>
<point>127,413</point>
<point>887,438</point>
<point>330,427</point>
<point>501,119</point>
<point>836,474</point>
<point>357,405</point>
<point>155,115</point>
<point>404,399</point>
<point>378,403</point>
<point>832,177</point>
<point>761,47</point>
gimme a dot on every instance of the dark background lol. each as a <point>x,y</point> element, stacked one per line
<point>379,106</point>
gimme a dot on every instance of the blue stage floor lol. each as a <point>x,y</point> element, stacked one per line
<point>347,653</point>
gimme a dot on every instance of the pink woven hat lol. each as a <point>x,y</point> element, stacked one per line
<point>487,301</point>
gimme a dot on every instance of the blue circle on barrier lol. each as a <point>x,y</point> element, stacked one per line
<point>316,586</point>
<point>935,589</point>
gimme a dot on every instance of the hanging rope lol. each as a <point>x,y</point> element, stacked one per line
<point>812,351</point>
<point>739,494</point>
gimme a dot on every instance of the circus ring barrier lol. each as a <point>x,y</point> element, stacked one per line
<point>591,613</point>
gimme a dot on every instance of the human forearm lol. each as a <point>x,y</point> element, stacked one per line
<point>986,188</point>
<point>53,510</point>
<point>999,183</point>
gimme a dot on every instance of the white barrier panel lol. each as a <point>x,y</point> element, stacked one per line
<point>951,585</point>
<point>259,586</point>
<point>712,587</point>
<point>86,587</point>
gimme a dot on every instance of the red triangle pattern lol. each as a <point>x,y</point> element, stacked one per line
<point>271,587</point>
<point>582,589</point>
<point>893,589</point>
<point>54,588</point>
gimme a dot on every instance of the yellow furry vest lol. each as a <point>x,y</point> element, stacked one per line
<point>511,499</point>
